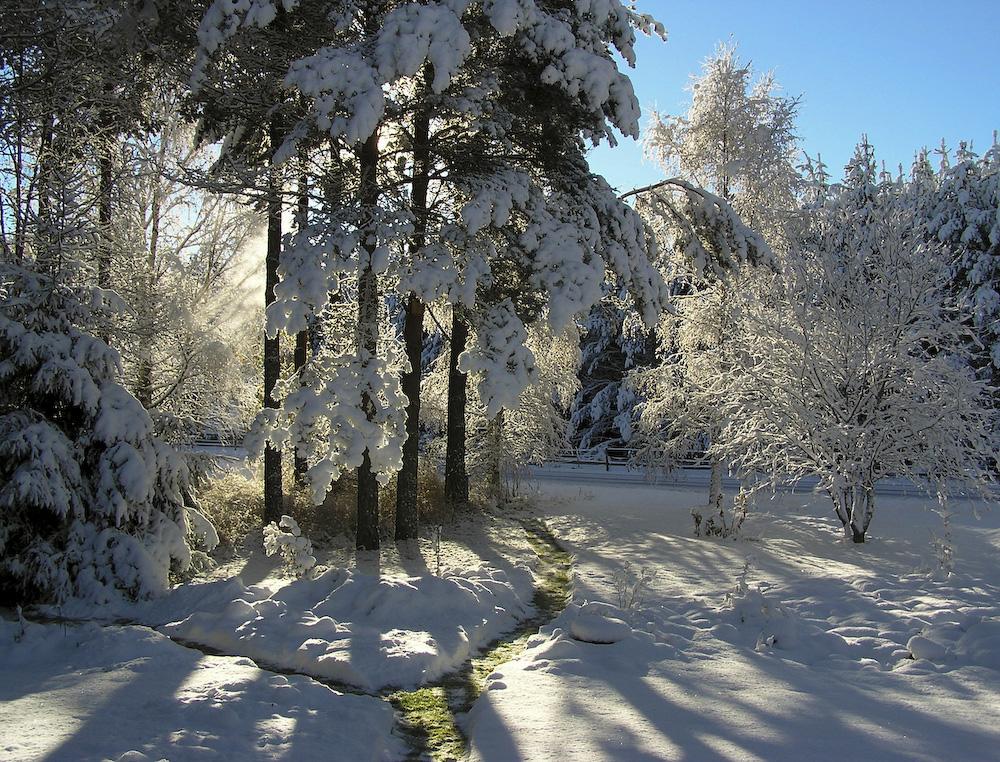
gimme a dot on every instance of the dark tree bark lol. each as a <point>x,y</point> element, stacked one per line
<point>273,491</point>
<point>494,432</point>
<point>368,534</point>
<point>456,478</point>
<point>854,505</point>
<point>407,490</point>
<point>300,465</point>
<point>407,487</point>
<point>105,142</point>
<point>105,188</point>
<point>148,308</point>
<point>44,243</point>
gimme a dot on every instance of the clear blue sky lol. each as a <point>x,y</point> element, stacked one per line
<point>906,72</point>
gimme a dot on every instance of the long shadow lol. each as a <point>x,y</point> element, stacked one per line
<point>107,730</point>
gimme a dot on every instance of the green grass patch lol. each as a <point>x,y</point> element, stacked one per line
<point>428,715</point>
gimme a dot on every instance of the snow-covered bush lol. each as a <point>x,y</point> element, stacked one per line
<point>234,504</point>
<point>720,520</point>
<point>92,504</point>
<point>285,539</point>
<point>632,585</point>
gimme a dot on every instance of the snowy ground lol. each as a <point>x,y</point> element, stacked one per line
<point>787,644</point>
<point>400,617</point>
<point>803,657</point>
<point>75,693</point>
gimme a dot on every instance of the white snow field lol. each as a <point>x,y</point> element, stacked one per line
<point>82,693</point>
<point>788,644</point>
<point>803,656</point>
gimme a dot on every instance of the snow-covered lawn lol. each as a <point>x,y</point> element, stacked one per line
<point>788,644</point>
<point>367,631</point>
<point>785,645</point>
<point>76,693</point>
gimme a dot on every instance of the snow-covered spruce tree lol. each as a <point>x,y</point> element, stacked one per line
<point>964,216</point>
<point>614,341</point>
<point>91,503</point>
<point>852,366</point>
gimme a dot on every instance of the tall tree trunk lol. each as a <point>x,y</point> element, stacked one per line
<point>22,199</point>
<point>367,338</point>
<point>300,465</point>
<point>407,486</point>
<point>105,142</point>
<point>456,478</point>
<point>273,491</point>
<point>715,485</point>
<point>407,489</point>
<point>104,219</point>
<point>147,309</point>
<point>495,443</point>
<point>44,243</point>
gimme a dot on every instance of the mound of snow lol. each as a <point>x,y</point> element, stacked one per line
<point>596,623</point>
<point>363,630</point>
<point>967,640</point>
<point>925,648</point>
<point>752,618</point>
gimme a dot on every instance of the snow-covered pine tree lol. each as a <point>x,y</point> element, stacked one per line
<point>505,247</point>
<point>965,219</point>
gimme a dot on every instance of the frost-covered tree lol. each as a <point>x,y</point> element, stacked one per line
<point>180,256</point>
<point>852,366</point>
<point>735,149</point>
<point>737,139</point>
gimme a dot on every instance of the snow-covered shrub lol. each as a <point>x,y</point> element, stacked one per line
<point>285,539</point>
<point>852,365</point>
<point>720,520</point>
<point>234,504</point>
<point>757,615</point>
<point>632,585</point>
<point>92,504</point>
